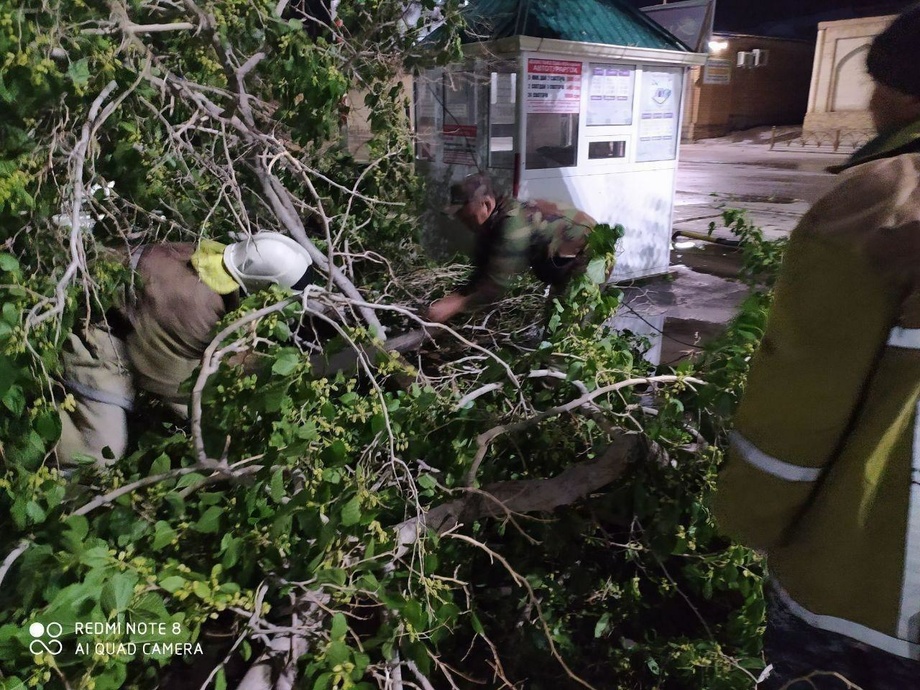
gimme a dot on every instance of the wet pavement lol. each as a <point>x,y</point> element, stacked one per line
<point>680,311</point>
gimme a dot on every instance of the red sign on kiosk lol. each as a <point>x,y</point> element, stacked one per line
<point>459,144</point>
<point>553,86</point>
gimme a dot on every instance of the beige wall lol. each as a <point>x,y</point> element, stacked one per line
<point>358,125</point>
<point>773,94</point>
<point>840,86</point>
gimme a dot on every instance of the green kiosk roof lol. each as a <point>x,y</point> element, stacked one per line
<point>610,22</point>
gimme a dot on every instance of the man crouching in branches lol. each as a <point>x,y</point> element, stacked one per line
<point>156,339</point>
<point>510,235</point>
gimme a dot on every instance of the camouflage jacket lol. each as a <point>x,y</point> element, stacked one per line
<point>518,235</point>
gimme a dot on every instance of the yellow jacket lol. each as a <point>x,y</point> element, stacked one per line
<point>823,471</point>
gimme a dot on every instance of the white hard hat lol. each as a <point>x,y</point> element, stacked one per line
<point>267,258</point>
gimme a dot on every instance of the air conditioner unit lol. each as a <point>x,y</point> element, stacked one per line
<point>760,57</point>
<point>745,59</point>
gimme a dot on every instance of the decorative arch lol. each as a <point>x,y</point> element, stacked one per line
<point>852,86</point>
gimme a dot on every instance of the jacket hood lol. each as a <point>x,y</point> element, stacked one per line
<point>904,140</point>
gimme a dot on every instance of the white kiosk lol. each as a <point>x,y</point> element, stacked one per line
<point>575,101</point>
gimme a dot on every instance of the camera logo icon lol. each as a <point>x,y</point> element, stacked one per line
<point>38,631</point>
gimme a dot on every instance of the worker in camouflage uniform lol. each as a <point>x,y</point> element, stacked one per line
<point>510,236</point>
<point>823,471</point>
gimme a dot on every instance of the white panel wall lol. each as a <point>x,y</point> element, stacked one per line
<point>641,200</point>
<point>638,196</point>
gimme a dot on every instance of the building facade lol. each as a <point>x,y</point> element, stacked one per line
<point>840,85</point>
<point>747,81</point>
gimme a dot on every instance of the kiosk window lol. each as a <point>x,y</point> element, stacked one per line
<point>610,94</point>
<point>606,149</point>
<point>427,115</point>
<point>659,114</point>
<point>552,140</point>
<point>553,104</point>
<point>502,119</point>
<point>459,130</point>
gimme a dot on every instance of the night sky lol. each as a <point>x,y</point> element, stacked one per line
<point>791,18</point>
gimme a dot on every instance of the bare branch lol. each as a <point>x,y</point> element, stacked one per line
<point>76,221</point>
<point>12,556</point>
<point>529,495</point>
<point>522,581</point>
<point>210,362</point>
<point>485,438</point>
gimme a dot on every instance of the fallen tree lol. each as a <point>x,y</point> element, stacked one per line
<point>381,498</point>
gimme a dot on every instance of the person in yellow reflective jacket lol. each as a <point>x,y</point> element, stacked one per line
<point>823,470</point>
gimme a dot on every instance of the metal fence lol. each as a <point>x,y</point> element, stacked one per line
<point>828,139</point>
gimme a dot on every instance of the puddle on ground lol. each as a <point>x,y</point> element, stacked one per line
<point>673,339</point>
<point>759,198</point>
<point>684,338</point>
<point>707,257</point>
<point>774,165</point>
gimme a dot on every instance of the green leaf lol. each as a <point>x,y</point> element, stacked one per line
<point>477,624</point>
<point>276,490</point>
<point>150,607</point>
<point>286,363</point>
<point>48,426</point>
<point>602,625</point>
<point>18,513</point>
<point>163,535</point>
<point>161,465</point>
<point>324,682</point>
<point>15,400</point>
<point>210,521</point>
<point>35,512</point>
<point>337,653</point>
<point>378,424</point>
<point>351,512</point>
<point>419,654</point>
<point>112,678</point>
<point>173,583</point>
<point>201,590</point>
<point>96,557</point>
<point>597,270</point>
<point>426,481</point>
<point>220,680</point>
<point>118,592</point>
<point>339,627</point>
<point>230,547</point>
<point>9,263</point>
<point>79,72</point>
<point>7,374</point>
<point>281,332</point>
<point>77,528</point>
<point>189,480</point>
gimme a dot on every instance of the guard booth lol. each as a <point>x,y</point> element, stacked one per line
<point>574,101</point>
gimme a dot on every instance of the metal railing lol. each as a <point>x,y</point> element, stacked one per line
<point>833,139</point>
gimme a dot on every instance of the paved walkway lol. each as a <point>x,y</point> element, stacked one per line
<point>680,311</point>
